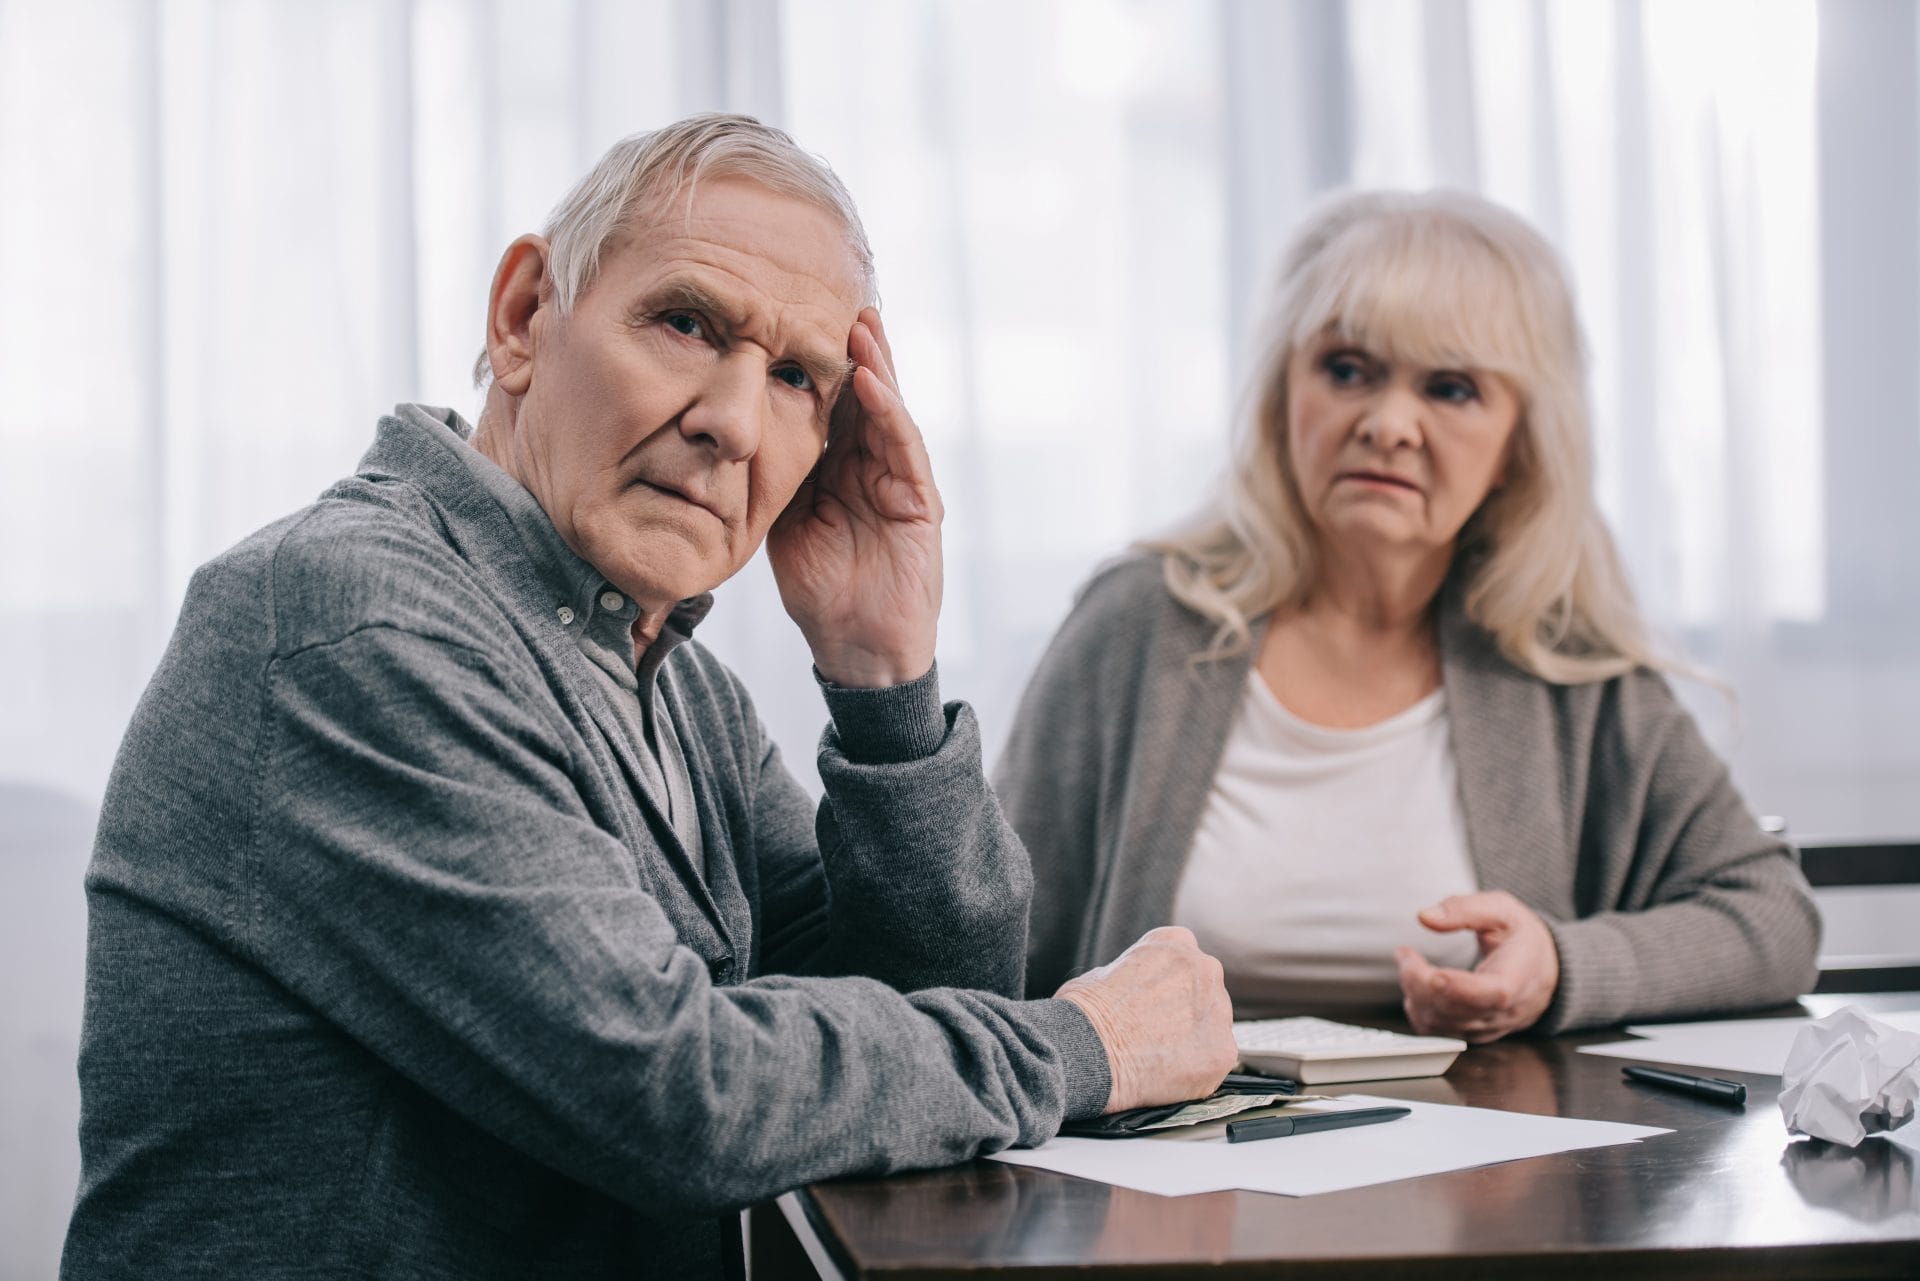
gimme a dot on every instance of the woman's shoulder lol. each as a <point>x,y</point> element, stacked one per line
<point>1123,617</point>
<point>1117,590</point>
<point>1637,705</point>
<point>1133,578</point>
<point>1127,597</point>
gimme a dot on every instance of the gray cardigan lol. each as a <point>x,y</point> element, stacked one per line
<point>392,971</point>
<point>1598,805</point>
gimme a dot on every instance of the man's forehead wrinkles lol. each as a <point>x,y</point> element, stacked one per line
<point>750,246</point>
<point>757,273</point>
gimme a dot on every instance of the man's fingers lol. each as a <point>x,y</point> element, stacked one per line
<point>890,426</point>
<point>882,351</point>
<point>876,397</point>
<point>868,352</point>
<point>843,431</point>
<point>1161,1009</point>
<point>894,438</point>
<point>1176,936</point>
<point>877,390</point>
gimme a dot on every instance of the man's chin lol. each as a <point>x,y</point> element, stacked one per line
<point>660,567</point>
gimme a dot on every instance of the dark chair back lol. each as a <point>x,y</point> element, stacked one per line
<point>1874,956</point>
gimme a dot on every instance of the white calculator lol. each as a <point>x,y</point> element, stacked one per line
<point>1320,1051</point>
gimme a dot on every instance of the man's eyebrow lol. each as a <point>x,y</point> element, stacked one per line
<point>827,374</point>
<point>676,293</point>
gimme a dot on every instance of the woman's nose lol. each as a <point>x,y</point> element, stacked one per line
<point>1393,421</point>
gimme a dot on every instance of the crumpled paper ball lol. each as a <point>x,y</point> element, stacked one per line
<point>1848,1076</point>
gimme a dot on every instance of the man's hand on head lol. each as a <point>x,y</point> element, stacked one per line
<point>856,554</point>
<point>1161,1009</point>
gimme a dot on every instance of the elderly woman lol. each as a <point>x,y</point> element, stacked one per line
<point>1385,727</point>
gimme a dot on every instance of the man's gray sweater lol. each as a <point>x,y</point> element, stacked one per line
<point>394,970</point>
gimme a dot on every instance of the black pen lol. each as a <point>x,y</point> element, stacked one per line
<point>1706,1087</point>
<point>1277,1127</point>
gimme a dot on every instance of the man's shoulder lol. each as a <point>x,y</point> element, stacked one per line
<point>368,553</point>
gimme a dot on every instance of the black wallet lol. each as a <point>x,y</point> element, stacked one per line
<point>1120,1125</point>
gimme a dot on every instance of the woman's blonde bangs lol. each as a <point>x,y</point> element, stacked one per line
<point>1420,288</point>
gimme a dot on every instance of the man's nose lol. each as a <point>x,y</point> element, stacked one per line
<point>1394,419</point>
<point>726,411</point>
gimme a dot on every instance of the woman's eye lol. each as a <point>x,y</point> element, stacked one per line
<point>684,323</point>
<point>1344,370</point>
<point>1453,389</point>
<point>794,377</point>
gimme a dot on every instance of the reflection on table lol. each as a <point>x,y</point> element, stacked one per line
<point>1728,1193</point>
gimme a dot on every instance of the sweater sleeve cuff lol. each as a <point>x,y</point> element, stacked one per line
<point>887,726</point>
<point>1598,977</point>
<point>1083,1056</point>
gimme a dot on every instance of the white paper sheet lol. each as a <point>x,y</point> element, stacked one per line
<point>1730,1045</point>
<point>1434,1139</point>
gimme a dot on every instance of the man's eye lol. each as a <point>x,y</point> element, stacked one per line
<point>684,322</point>
<point>794,377</point>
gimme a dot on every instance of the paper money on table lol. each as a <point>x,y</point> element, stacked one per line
<point>1228,1105</point>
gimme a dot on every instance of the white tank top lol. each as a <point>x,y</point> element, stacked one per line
<point>1316,847</point>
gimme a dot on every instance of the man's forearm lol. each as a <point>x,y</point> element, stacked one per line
<point>929,886</point>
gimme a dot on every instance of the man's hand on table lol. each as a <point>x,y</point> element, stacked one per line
<point>1162,1011</point>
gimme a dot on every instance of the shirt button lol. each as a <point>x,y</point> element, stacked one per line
<point>565,616</point>
<point>612,601</point>
<point>722,971</point>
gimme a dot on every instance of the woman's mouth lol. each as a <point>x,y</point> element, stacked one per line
<point>1382,479</point>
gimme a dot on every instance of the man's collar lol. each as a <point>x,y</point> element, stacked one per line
<point>597,614</point>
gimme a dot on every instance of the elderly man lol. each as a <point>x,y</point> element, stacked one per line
<point>451,913</point>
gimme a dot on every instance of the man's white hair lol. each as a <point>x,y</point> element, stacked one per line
<point>643,173</point>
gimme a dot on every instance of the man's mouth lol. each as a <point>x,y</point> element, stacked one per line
<point>685,496</point>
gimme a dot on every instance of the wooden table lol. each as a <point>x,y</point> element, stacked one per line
<point>1727,1194</point>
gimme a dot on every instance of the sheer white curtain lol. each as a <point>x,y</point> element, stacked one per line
<point>1077,205</point>
<point>234,231</point>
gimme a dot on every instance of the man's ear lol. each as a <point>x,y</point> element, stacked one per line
<point>518,295</point>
